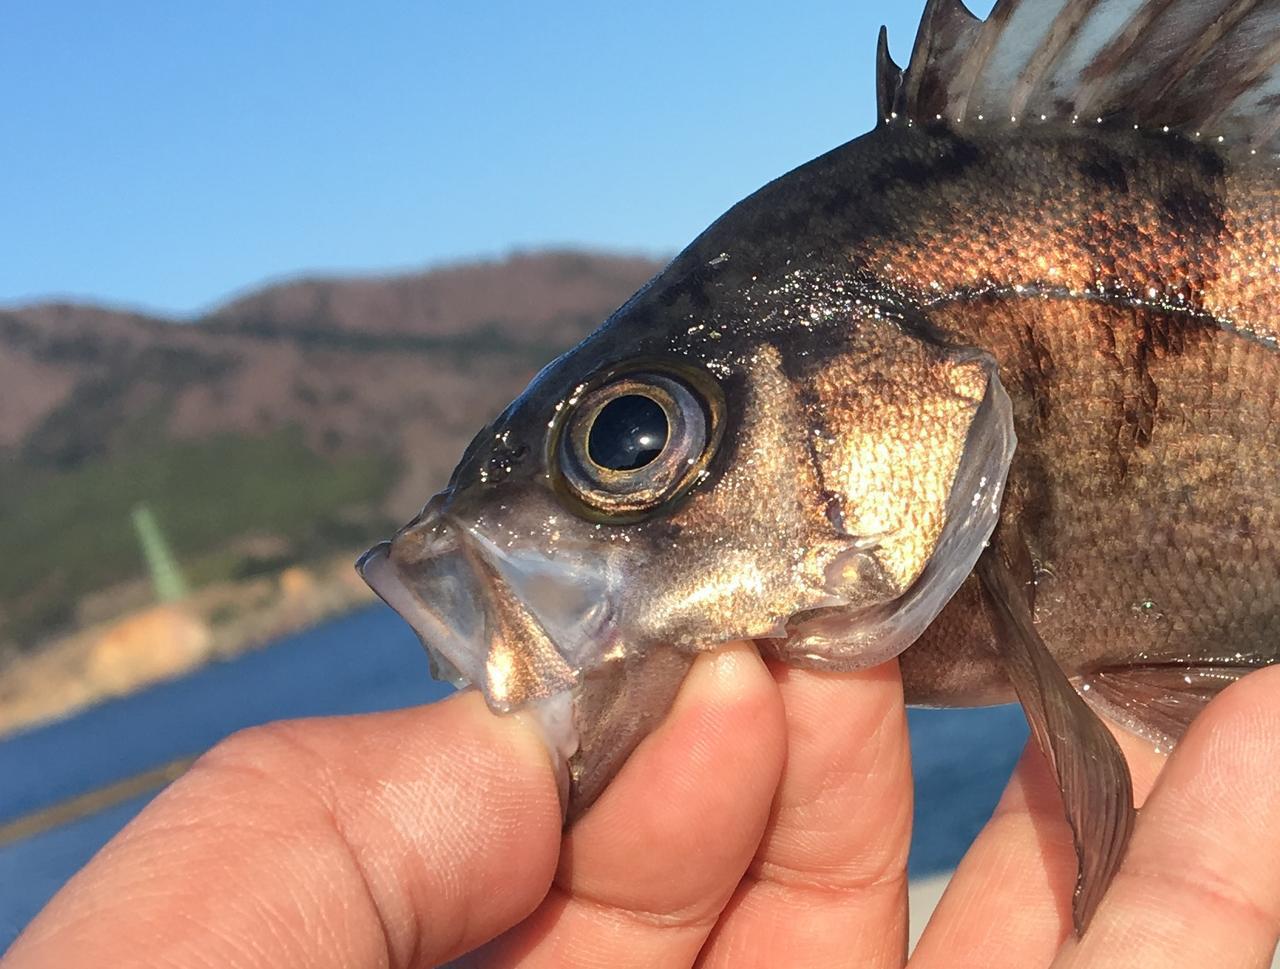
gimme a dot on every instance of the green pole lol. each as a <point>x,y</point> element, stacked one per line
<point>165,576</point>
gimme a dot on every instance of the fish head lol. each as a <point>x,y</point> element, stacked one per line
<point>682,479</point>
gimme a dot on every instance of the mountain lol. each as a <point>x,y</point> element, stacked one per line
<point>290,422</point>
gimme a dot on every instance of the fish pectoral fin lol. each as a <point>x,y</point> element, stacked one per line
<point>1158,701</point>
<point>1092,775</point>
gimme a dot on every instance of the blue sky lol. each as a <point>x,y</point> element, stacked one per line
<point>165,155</point>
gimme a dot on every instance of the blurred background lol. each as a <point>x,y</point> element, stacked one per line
<point>268,267</point>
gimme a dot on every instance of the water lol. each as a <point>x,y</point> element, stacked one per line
<point>361,663</point>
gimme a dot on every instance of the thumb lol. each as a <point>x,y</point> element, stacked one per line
<point>401,839</point>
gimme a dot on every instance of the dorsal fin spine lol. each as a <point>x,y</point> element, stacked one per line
<point>1266,60</point>
<point>944,24</point>
<point>975,60</point>
<point>1065,27</point>
<point>1185,66</point>
<point>1114,52</point>
<point>1160,86</point>
<point>888,80</point>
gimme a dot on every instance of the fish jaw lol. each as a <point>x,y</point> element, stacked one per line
<point>518,623</point>
<point>537,635</point>
<point>448,643</point>
<point>451,630</point>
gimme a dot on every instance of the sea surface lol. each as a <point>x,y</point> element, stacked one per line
<point>360,663</point>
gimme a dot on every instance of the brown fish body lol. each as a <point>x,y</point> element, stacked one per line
<point>1125,285</point>
<point>1124,282</point>
<point>994,388</point>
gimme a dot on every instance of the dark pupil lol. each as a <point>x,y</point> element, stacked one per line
<point>628,433</point>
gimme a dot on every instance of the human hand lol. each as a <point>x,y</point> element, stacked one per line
<point>766,822</point>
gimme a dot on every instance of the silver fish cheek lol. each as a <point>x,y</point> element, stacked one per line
<point>857,497</point>
<point>519,616</point>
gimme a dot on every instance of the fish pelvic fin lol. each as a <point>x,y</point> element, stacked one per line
<point>1158,701</point>
<point>1091,772</point>
<point>1208,69</point>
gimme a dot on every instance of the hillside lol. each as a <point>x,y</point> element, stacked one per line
<point>292,422</point>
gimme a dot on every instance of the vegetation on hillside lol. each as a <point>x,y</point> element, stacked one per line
<point>75,534</point>
<point>293,423</point>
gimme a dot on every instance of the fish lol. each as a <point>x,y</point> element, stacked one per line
<point>993,389</point>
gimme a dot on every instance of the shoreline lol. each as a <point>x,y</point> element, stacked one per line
<point>159,642</point>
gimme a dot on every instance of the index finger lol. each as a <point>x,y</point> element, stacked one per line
<point>645,873</point>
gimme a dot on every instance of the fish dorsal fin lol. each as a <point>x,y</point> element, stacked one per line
<point>888,79</point>
<point>1206,68</point>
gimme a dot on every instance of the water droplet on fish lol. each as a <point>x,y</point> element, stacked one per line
<point>1148,609</point>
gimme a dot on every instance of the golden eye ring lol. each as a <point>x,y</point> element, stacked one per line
<point>635,441</point>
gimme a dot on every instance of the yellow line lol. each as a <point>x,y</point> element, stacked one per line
<point>84,805</point>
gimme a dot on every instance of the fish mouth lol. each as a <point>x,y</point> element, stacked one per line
<point>520,622</point>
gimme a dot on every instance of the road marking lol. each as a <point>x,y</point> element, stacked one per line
<point>92,802</point>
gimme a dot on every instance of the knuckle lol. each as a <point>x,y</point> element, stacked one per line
<point>874,879</point>
<point>266,752</point>
<point>1197,889</point>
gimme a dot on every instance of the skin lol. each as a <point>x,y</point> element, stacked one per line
<point>408,838</point>
<point>1115,277</point>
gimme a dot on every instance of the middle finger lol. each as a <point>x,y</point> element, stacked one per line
<point>827,886</point>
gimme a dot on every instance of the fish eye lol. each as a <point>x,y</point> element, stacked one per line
<point>629,432</point>
<point>635,443</point>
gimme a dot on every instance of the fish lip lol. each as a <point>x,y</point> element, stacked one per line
<point>380,574</point>
<point>362,563</point>
<point>514,569</point>
<point>554,719</point>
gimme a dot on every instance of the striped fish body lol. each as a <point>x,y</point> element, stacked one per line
<point>994,388</point>
<point>1126,282</point>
